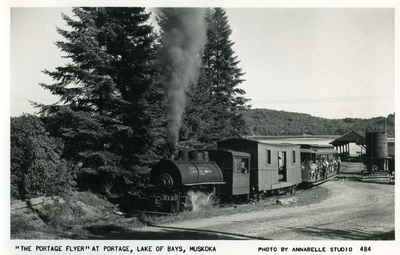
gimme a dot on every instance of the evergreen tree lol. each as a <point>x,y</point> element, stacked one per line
<point>103,113</point>
<point>217,103</point>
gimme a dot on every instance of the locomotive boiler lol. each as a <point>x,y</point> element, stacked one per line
<point>172,179</point>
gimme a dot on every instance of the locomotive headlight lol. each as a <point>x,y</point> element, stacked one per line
<point>166,180</point>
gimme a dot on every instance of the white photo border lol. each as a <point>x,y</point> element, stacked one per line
<point>223,247</point>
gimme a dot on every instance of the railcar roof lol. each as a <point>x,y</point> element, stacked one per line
<point>237,153</point>
<point>317,146</point>
<point>260,142</point>
<point>319,151</point>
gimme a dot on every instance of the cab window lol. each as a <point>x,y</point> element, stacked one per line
<point>242,165</point>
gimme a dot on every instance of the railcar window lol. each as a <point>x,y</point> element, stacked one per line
<point>269,156</point>
<point>244,164</point>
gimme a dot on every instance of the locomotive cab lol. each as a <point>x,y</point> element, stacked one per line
<point>235,167</point>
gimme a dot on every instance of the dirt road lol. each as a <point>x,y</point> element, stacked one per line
<point>353,211</point>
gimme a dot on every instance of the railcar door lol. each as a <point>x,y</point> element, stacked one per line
<point>241,175</point>
<point>282,166</point>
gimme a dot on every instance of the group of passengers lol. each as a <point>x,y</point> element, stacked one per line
<point>321,168</point>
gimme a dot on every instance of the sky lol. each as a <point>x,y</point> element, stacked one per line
<point>331,63</point>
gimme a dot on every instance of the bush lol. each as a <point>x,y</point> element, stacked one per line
<point>36,166</point>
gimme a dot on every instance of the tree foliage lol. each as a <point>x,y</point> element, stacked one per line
<point>36,166</point>
<point>272,122</point>
<point>104,113</point>
<point>216,104</point>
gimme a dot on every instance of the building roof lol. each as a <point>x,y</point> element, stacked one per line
<point>349,137</point>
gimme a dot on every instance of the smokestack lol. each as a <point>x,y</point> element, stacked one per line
<point>183,36</point>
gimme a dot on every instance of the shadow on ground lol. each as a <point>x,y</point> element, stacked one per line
<point>330,234</point>
<point>114,232</point>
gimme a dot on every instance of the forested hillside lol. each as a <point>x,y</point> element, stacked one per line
<point>272,122</point>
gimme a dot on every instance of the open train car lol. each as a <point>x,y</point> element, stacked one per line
<point>319,163</point>
<point>273,166</point>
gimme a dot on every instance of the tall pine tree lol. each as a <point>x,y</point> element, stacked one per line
<point>217,102</point>
<point>103,113</point>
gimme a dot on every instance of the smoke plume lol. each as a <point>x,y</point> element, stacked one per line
<point>184,36</point>
<point>199,200</point>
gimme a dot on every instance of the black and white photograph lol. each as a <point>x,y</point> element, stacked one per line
<point>202,123</point>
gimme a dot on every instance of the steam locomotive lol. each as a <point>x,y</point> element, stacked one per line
<point>189,171</point>
<point>237,170</point>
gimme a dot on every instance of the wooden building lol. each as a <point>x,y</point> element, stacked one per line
<point>342,143</point>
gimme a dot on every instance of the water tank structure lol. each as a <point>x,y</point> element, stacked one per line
<point>377,150</point>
